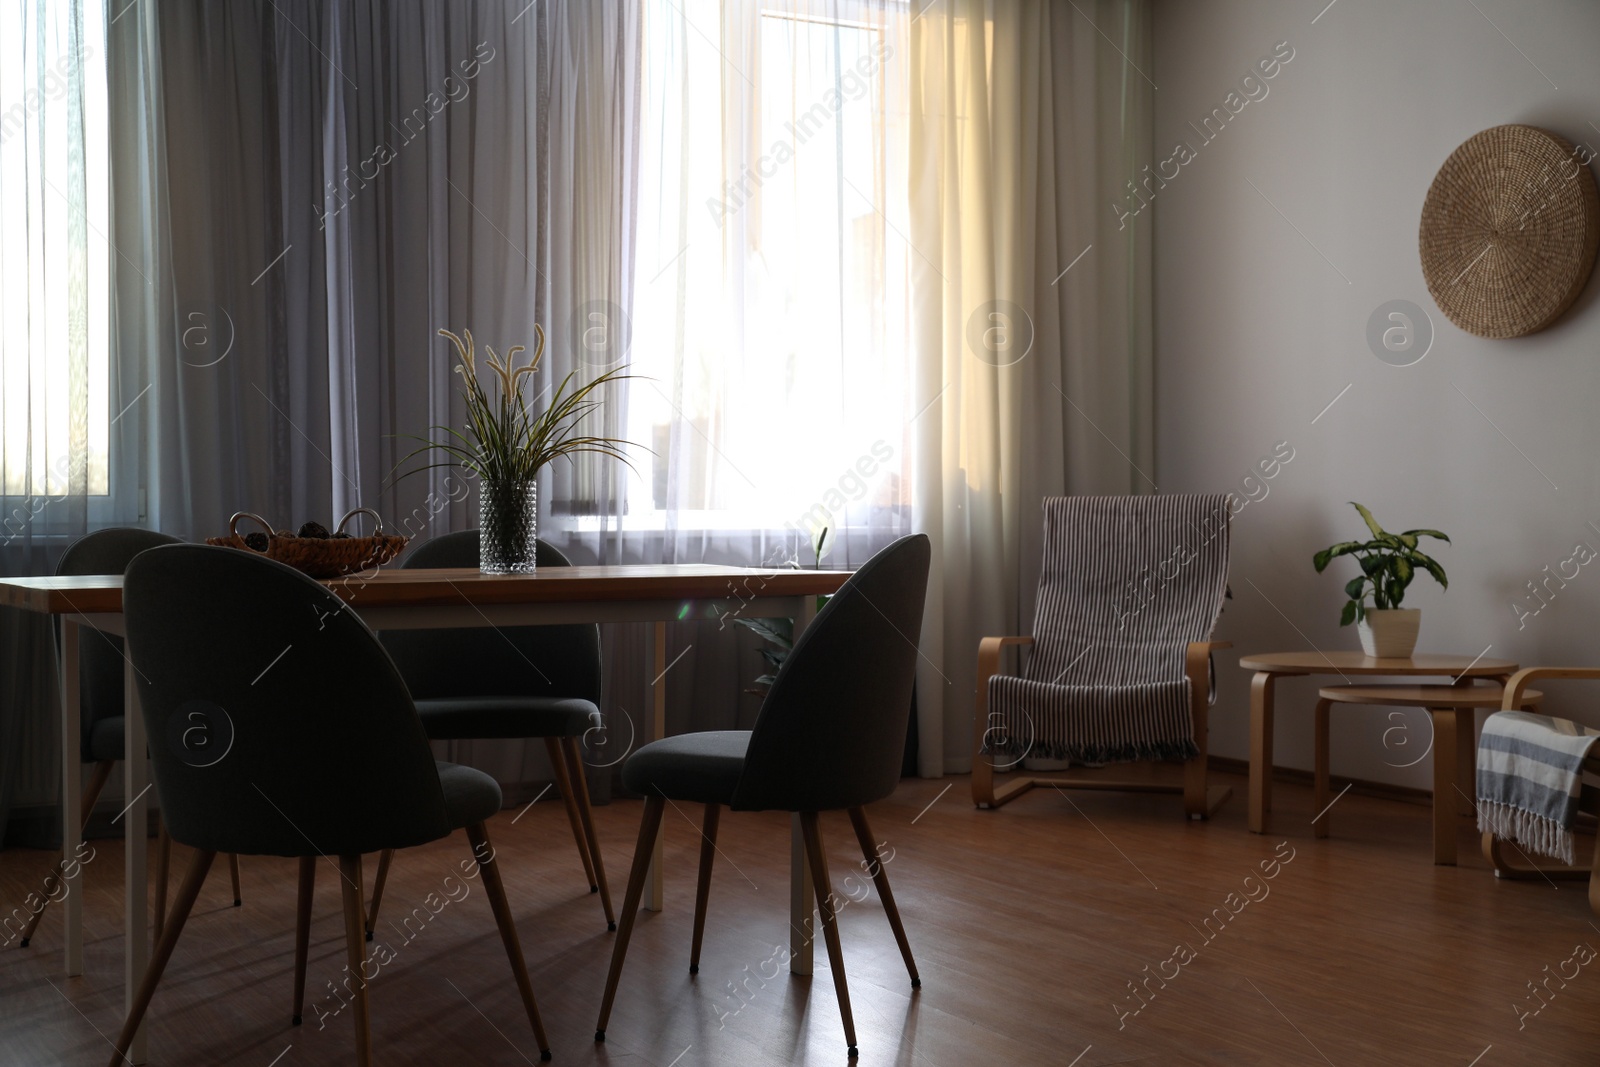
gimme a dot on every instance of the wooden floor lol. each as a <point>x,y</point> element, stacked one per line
<point>1032,926</point>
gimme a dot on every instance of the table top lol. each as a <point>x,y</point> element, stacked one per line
<point>400,587</point>
<point>1359,663</point>
<point>1426,696</point>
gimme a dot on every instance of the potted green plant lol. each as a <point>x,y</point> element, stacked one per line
<point>1388,563</point>
<point>780,632</point>
<point>506,444</point>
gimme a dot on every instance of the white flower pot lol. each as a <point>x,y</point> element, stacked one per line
<point>1390,633</point>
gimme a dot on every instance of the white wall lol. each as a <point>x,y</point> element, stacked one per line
<point>1256,332</point>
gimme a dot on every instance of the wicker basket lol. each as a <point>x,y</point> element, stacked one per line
<point>1509,231</point>
<point>320,557</point>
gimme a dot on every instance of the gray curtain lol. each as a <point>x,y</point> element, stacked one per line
<point>309,190</point>
<point>328,184</point>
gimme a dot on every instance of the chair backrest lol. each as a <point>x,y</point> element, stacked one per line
<point>832,730</point>
<point>555,661</point>
<point>100,655</point>
<point>277,724</point>
<point>1127,583</point>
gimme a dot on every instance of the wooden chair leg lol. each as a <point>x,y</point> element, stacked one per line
<point>1197,667</point>
<point>163,868</point>
<point>1594,878</point>
<point>385,858</point>
<point>823,885</point>
<point>188,890</point>
<point>1518,872</point>
<point>1319,793</point>
<point>649,827</point>
<point>484,854</point>
<point>302,931</point>
<point>880,878</point>
<point>702,891</point>
<point>355,954</point>
<point>91,793</point>
<point>580,789</point>
<point>233,871</point>
<point>558,764</point>
<point>1446,724</point>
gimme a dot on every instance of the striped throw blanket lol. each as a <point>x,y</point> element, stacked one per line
<point>1127,583</point>
<point>1530,773</point>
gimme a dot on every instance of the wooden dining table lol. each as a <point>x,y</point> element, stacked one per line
<point>395,599</point>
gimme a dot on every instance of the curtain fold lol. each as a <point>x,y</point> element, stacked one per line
<point>1032,375</point>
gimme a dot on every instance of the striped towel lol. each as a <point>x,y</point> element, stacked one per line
<point>1127,583</point>
<point>1530,774</point>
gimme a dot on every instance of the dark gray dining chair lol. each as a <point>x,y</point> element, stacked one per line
<point>507,683</point>
<point>829,736</point>
<point>101,702</point>
<point>325,755</point>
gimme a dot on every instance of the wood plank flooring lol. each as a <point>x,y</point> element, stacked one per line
<point>1063,930</point>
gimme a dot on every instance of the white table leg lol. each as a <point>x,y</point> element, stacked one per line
<point>802,897</point>
<point>657,899</point>
<point>71,798</point>
<point>136,782</point>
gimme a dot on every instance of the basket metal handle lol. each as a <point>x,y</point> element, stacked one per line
<point>376,518</point>
<point>233,526</point>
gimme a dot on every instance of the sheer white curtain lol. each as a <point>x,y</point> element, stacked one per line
<point>770,302</point>
<point>58,384</point>
<point>1032,306</point>
<point>54,276</point>
<point>848,289</point>
<point>725,210</point>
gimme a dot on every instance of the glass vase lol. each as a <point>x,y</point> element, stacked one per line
<point>508,527</point>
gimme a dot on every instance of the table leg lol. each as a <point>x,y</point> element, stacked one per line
<point>1447,726</point>
<point>71,798</point>
<point>657,898</point>
<point>136,786</point>
<point>1467,765</point>
<point>1319,799</point>
<point>1261,692</point>
<point>802,895</point>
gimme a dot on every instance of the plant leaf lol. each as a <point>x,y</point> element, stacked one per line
<point>1431,533</point>
<point>1372,523</point>
<point>777,631</point>
<point>1432,567</point>
<point>1354,587</point>
<point>1333,552</point>
<point>1348,616</point>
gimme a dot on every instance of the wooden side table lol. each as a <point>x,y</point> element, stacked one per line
<point>1271,666</point>
<point>1451,708</point>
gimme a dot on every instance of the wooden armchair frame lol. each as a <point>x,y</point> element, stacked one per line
<point>1588,801</point>
<point>1200,800</point>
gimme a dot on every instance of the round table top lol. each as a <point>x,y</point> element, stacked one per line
<point>1343,662</point>
<point>1425,696</point>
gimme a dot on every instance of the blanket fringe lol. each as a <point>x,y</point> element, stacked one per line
<point>1534,832</point>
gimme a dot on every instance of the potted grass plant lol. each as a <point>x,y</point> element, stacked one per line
<point>506,442</point>
<point>1389,561</point>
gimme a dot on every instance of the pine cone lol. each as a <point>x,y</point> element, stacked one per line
<point>256,542</point>
<point>314,529</point>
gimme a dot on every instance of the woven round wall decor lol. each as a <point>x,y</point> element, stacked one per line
<point>1509,231</point>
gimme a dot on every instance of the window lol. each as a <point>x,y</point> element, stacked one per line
<point>54,256</point>
<point>771,290</point>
